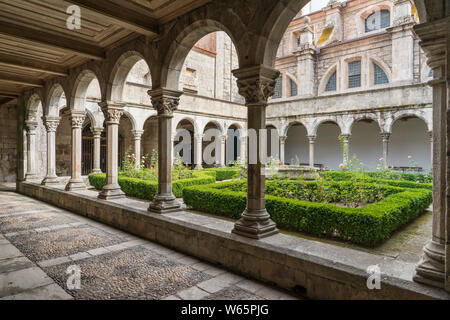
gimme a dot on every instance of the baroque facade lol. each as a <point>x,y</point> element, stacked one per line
<point>380,80</point>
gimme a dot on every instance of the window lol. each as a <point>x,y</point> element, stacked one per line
<point>379,75</point>
<point>378,20</point>
<point>431,75</point>
<point>294,90</point>
<point>298,41</point>
<point>331,84</point>
<point>278,88</point>
<point>354,74</point>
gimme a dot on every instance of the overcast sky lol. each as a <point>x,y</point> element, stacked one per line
<point>318,4</point>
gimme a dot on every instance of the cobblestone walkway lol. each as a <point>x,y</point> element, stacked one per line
<point>40,245</point>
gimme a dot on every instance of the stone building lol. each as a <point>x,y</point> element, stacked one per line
<point>81,96</point>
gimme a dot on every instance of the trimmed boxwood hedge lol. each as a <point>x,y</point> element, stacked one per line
<point>225,173</point>
<point>147,189</point>
<point>397,176</point>
<point>368,225</point>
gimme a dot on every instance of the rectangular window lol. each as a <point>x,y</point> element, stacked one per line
<point>278,88</point>
<point>294,90</point>
<point>354,74</point>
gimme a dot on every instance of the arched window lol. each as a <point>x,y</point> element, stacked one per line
<point>278,88</point>
<point>331,84</point>
<point>379,76</point>
<point>354,74</point>
<point>378,20</point>
<point>294,89</point>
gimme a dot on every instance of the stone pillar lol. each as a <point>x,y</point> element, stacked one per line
<point>76,181</point>
<point>312,141</point>
<point>137,134</point>
<point>31,127</point>
<point>97,133</point>
<point>112,113</point>
<point>346,146</point>
<point>282,148</point>
<point>198,151</point>
<point>223,154</point>
<point>430,134</point>
<point>305,66</point>
<point>165,101</point>
<point>256,84</point>
<point>385,137</point>
<point>243,154</point>
<point>433,269</point>
<point>51,124</point>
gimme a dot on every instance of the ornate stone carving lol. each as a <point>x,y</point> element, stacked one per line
<point>283,139</point>
<point>256,90</point>
<point>137,134</point>
<point>112,115</point>
<point>31,126</point>
<point>97,132</point>
<point>51,124</point>
<point>77,120</point>
<point>385,136</point>
<point>165,101</point>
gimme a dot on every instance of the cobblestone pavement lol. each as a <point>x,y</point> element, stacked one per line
<point>41,245</point>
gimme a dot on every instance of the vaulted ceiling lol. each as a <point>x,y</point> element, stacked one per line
<point>35,43</point>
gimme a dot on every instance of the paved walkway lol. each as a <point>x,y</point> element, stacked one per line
<point>43,247</point>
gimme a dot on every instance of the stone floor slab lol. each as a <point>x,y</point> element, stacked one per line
<point>48,292</point>
<point>18,281</point>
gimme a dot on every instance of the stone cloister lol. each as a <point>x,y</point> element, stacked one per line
<point>256,29</point>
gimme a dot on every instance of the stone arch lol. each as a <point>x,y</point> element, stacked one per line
<point>363,14</point>
<point>318,122</point>
<point>55,93</point>
<point>186,38</point>
<point>362,117</point>
<point>190,120</point>
<point>80,85</point>
<point>119,73</point>
<point>131,118</point>
<point>216,123</point>
<point>32,105</point>
<point>292,123</point>
<point>324,81</point>
<point>409,113</point>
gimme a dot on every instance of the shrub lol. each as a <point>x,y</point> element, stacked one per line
<point>385,175</point>
<point>148,189</point>
<point>367,225</point>
<point>225,173</point>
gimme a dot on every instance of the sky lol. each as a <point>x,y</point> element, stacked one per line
<point>318,4</point>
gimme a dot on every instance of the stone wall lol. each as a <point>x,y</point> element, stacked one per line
<point>8,143</point>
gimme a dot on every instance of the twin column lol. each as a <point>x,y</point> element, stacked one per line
<point>51,124</point>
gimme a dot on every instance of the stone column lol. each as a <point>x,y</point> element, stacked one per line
<point>256,84</point>
<point>223,154</point>
<point>198,151</point>
<point>430,134</point>
<point>165,101</point>
<point>243,154</point>
<point>346,151</point>
<point>76,181</point>
<point>51,124</point>
<point>137,134</point>
<point>112,112</point>
<point>97,133</point>
<point>31,127</point>
<point>433,269</point>
<point>282,148</point>
<point>385,137</point>
<point>312,141</point>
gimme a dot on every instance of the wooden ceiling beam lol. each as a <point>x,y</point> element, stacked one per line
<point>57,42</point>
<point>31,65</point>
<point>121,16</point>
<point>7,78</point>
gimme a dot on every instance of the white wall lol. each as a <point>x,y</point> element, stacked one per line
<point>409,137</point>
<point>366,143</point>
<point>328,150</point>
<point>296,145</point>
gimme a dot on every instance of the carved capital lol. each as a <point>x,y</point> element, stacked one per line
<point>312,139</point>
<point>137,134</point>
<point>433,37</point>
<point>31,126</point>
<point>165,101</point>
<point>385,136</point>
<point>77,119</point>
<point>283,139</point>
<point>346,137</point>
<point>256,84</point>
<point>112,111</point>
<point>51,124</point>
<point>97,132</point>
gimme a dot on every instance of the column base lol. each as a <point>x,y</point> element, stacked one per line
<point>96,171</point>
<point>111,191</point>
<point>198,167</point>
<point>75,184</point>
<point>50,181</point>
<point>31,176</point>
<point>164,203</point>
<point>431,268</point>
<point>255,224</point>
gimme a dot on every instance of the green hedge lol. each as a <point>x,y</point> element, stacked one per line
<point>225,173</point>
<point>347,175</point>
<point>147,189</point>
<point>367,225</point>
